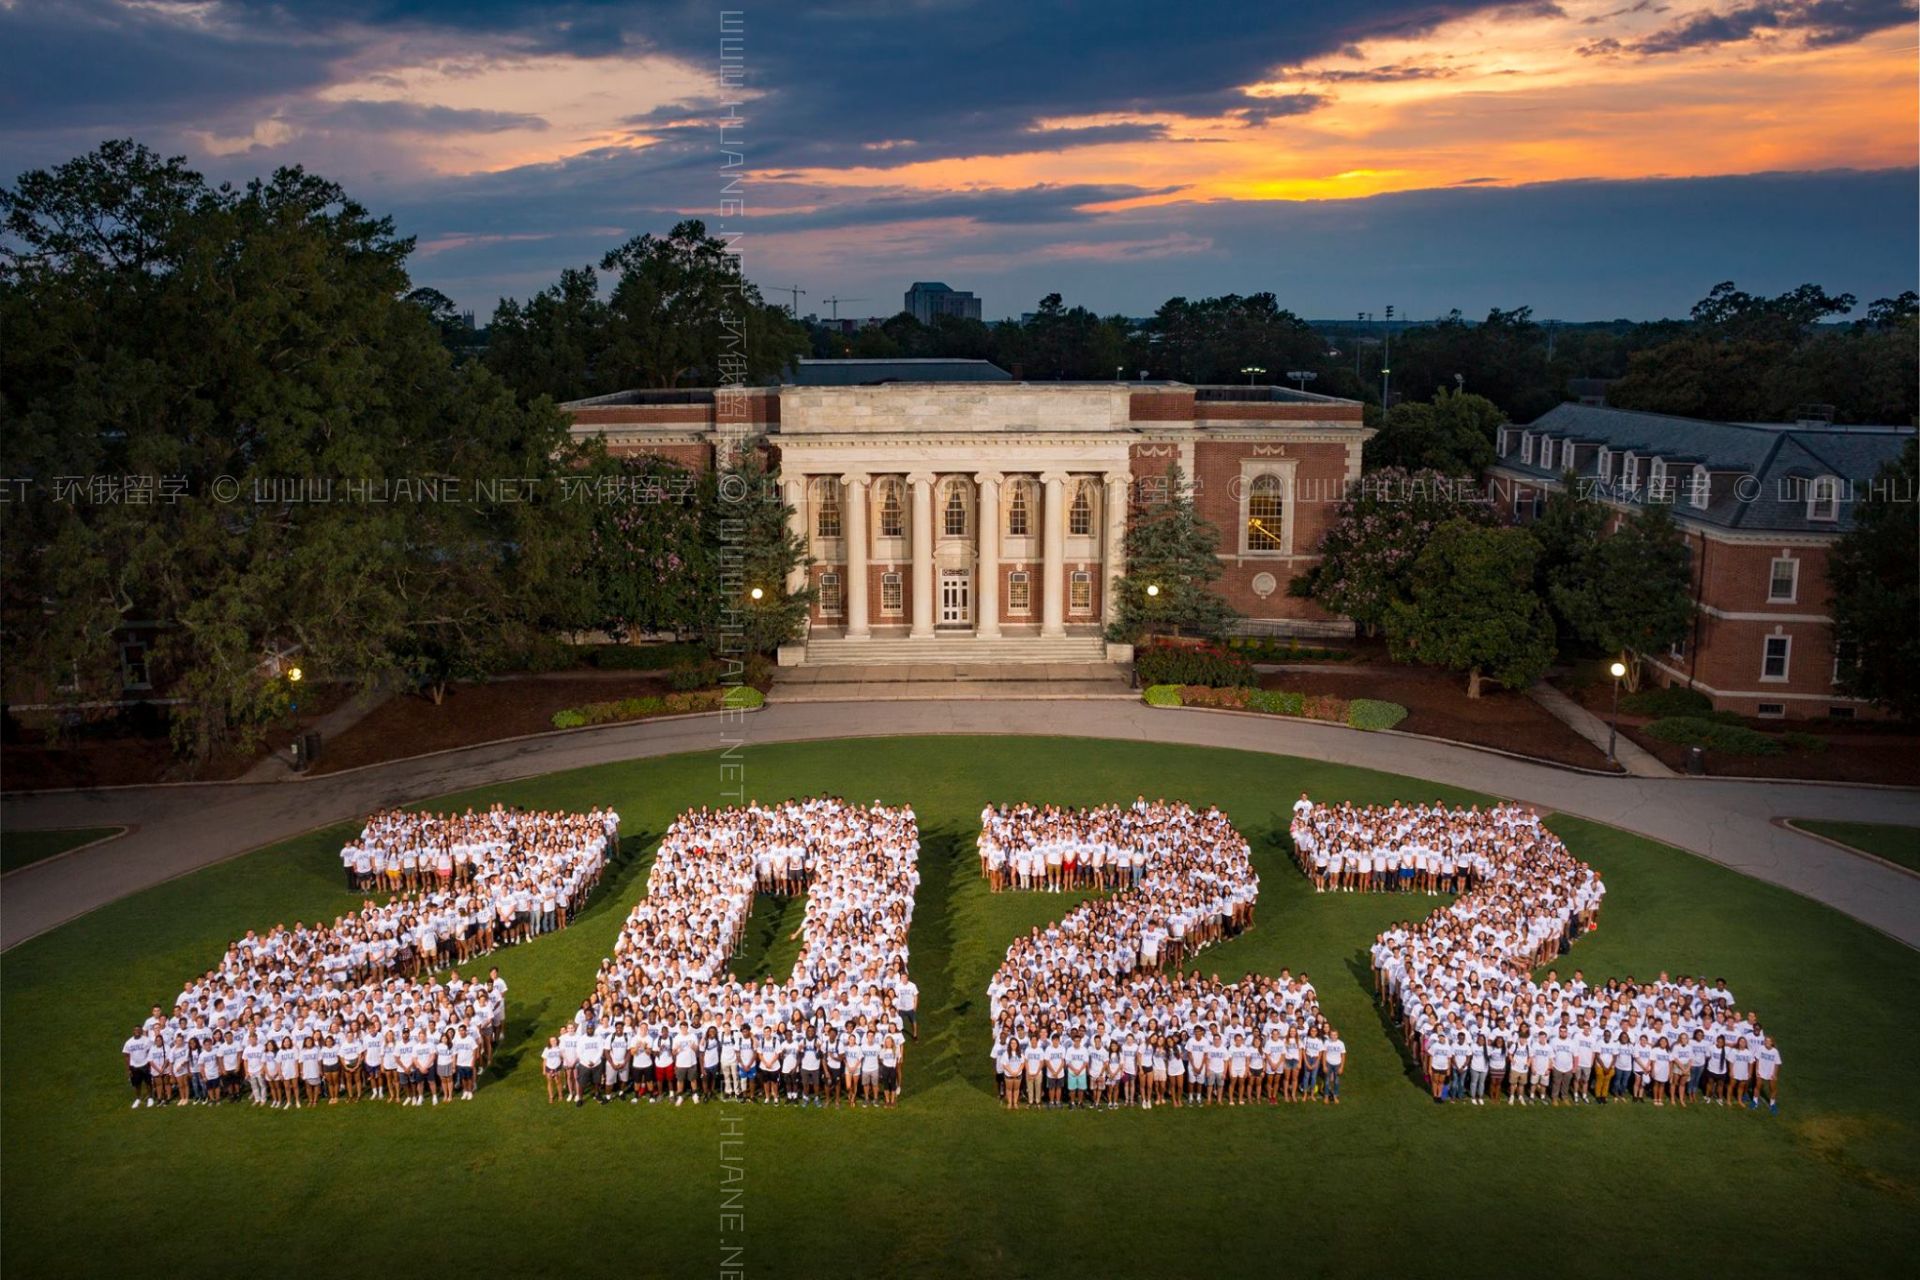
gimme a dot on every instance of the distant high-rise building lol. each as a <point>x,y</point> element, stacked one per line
<point>929,298</point>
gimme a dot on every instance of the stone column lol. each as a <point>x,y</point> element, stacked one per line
<point>921,483</point>
<point>987,585</point>
<point>856,531</point>
<point>1116,563</point>
<point>1053,554</point>
<point>796,487</point>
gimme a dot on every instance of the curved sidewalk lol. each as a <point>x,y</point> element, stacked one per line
<point>180,829</point>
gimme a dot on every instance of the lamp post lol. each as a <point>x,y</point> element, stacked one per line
<point>1617,669</point>
<point>755,594</point>
<point>1250,371</point>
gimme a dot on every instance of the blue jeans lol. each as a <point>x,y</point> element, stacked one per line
<point>1308,1078</point>
<point>197,1087</point>
<point>1333,1081</point>
<point>1693,1080</point>
<point>1477,1084</point>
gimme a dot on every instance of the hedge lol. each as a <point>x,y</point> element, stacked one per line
<point>1195,665</point>
<point>1372,713</point>
<point>1256,649</point>
<point>742,697</point>
<point>1277,702</point>
<point>1163,695</point>
<point>1697,731</point>
<point>1662,703</point>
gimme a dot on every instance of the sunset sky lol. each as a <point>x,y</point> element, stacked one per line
<point>1592,158</point>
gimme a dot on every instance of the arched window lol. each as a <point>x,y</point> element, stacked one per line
<point>955,520</point>
<point>826,506</point>
<point>1080,511</point>
<point>1266,512</point>
<point>892,513</point>
<point>1702,489</point>
<point>1019,511</point>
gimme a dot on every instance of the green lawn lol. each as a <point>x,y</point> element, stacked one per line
<point>1883,840</point>
<point>949,1184</point>
<point>18,848</point>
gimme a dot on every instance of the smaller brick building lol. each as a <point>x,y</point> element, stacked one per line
<point>1760,505</point>
<point>992,515</point>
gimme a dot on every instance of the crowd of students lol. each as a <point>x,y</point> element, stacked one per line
<point>666,1019</point>
<point>350,1010</point>
<point>1459,982</point>
<point>1097,1009</point>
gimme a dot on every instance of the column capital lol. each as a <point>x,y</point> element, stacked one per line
<point>1121,478</point>
<point>921,477</point>
<point>855,477</point>
<point>1054,477</point>
<point>988,477</point>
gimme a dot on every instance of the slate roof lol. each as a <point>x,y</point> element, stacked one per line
<point>1776,461</point>
<point>866,373</point>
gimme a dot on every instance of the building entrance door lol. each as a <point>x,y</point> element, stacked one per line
<point>956,598</point>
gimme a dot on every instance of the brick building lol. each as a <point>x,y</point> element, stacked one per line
<point>1760,506</point>
<point>984,521</point>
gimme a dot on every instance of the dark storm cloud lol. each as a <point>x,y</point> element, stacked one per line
<point>957,79</point>
<point>1819,24</point>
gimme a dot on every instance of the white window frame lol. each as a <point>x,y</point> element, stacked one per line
<point>1657,479</point>
<point>1080,582</point>
<point>833,596</point>
<point>1702,489</point>
<point>1081,503</point>
<point>890,582</point>
<point>1283,470</point>
<point>1021,501</point>
<point>126,670</point>
<point>1770,710</point>
<point>1546,453</point>
<point>1526,447</point>
<point>1020,581</point>
<point>955,490</point>
<point>827,501</point>
<point>1678,649</point>
<point>1278,536</point>
<point>1839,657</point>
<point>1823,499</point>
<point>890,489</point>
<point>1773,578</point>
<point>1786,658</point>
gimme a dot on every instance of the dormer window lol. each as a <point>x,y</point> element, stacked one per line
<point>1823,498</point>
<point>1601,462</point>
<point>1657,478</point>
<point>1702,489</point>
<point>1546,453</point>
<point>1629,472</point>
<point>1526,447</point>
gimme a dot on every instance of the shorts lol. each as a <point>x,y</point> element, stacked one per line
<point>464,1075</point>
<point>684,1075</point>
<point>663,1074</point>
<point>749,1074</point>
<point>889,1078</point>
<point>810,1078</point>
<point>139,1075</point>
<point>1076,1082</point>
<point>444,1070</point>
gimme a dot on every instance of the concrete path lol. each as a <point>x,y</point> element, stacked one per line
<point>1633,757</point>
<point>278,767</point>
<point>180,829</point>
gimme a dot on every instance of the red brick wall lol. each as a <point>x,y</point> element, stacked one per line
<point>1268,411</point>
<point>696,457</point>
<point>1161,406</point>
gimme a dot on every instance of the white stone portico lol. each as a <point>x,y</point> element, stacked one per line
<point>949,488</point>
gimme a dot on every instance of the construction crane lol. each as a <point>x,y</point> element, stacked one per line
<point>835,304</point>
<point>793,308</point>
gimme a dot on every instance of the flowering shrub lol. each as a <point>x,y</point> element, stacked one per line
<point>1233,698</point>
<point>1325,707</point>
<point>744,697</point>
<point>1206,665</point>
<point>1372,713</point>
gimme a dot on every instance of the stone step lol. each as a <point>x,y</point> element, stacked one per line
<point>965,649</point>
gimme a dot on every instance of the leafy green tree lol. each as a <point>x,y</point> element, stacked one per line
<point>211,394</point>
<point>1472,608</point>
<point>646,569</point>
<point>1570,522</point>
<point>680,314</point>
<point>1172,563</point>
<point>1368,555</point>
<point>1629,593</point>
<point>1454,434</point>
<point>747,544</point>
<point>555,343</point>
<point>1874,572</point>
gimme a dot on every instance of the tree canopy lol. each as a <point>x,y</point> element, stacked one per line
<point>1172,563</point>
<point>1628,593</point>
<point>1472,607</point>
<point>226,411</point>
<point>1874,572</point>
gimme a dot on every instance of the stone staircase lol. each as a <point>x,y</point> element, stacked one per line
<point>887,651</point>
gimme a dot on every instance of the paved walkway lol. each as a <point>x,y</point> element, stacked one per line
<point>180,829</point>
<point>278,766</point>
<point>1633,757</point>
